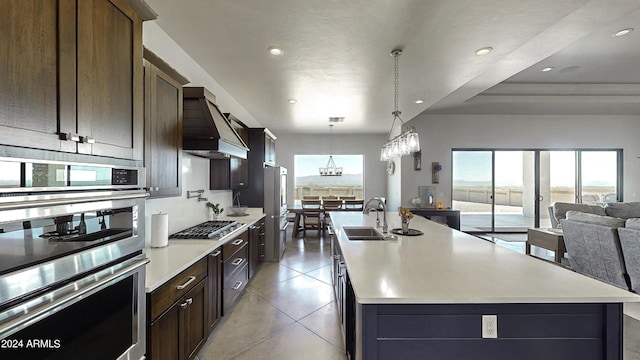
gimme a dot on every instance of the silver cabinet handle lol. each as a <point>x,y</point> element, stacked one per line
<point>186,303</point>
<point>87,140</point>
<point>70,137</point>
<point>216,253</point>
<point>237,261</point>
<point>237,285</point>
<point>181,287</point>
<point>237,242</point>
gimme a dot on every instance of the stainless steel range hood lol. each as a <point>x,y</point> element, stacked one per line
<point>205,130</point>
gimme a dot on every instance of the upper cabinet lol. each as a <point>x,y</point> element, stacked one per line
<point>162,126</point>
<point>263,145</point>
<point>72,77</point>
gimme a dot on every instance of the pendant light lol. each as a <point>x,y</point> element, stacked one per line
<point>331,169</point>
<point>407,142</point>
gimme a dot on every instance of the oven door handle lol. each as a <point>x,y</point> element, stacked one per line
<point>23,315</point>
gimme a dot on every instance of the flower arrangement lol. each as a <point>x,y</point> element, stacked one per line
<point>406,215</point>
<point>416,201</point>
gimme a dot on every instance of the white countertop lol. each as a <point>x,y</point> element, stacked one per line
<point>170,260</point>
<point>445,266</point>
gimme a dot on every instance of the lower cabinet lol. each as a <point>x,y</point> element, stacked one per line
<point>184,311</point>
<point>256,247</point>
<point>215,288</point>
<point>179,330</point>
<point>235,270</point>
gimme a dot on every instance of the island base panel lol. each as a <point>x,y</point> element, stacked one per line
<point>525,331</point>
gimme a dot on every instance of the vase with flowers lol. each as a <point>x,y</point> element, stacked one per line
<point>406,215</point>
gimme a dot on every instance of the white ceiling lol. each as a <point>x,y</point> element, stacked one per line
<point>337,63</point>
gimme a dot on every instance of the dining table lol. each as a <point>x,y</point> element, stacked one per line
<point>297,210</point>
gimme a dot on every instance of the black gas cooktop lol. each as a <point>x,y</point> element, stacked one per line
<point>213,230</point>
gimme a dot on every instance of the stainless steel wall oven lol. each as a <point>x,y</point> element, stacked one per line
<point>72,270</point>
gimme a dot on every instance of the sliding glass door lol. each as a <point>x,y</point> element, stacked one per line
<point>513,190</point>
<point>473,189</point>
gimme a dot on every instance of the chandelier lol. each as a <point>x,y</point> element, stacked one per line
<point>407,142</point>
<point>331,169</point>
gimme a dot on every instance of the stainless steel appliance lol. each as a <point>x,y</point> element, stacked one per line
<point>72,270</point>
<point>275,207</point>
<point>213,230</point>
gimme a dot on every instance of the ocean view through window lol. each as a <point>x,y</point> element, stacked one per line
<point>308,182</point>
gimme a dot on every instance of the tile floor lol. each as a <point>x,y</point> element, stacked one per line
<point>288,311</point>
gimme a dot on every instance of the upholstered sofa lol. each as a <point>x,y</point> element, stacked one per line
<point>604,243</point>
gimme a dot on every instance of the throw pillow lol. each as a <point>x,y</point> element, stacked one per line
<point>624,210</point>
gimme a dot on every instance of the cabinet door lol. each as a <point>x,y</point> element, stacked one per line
<point>37,95</point>
<point>181,331</point>
<point>164,336</point>
<point>270,150</point>
<point>215,289</point>
<point>195,313</point>
<point>109,79</point>
<point>163,132</point>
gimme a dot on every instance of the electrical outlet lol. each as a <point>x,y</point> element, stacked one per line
<point>489,326</point>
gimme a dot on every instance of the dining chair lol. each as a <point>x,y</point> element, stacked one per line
<point>329,197</point>
<point>353,205</point>
<point>330,205</point>
<point>311,197</point>
<point>312,216</point>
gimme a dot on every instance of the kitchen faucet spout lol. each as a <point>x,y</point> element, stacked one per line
<point>375,204</point>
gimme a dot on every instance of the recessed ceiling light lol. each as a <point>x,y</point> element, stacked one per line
<point>623,32</point>
<point>419,101</point>
<point>484,51</point>
<point>274,50</point>
<point>569,69</point>
<point>292,101</point>
<point>547,69</point>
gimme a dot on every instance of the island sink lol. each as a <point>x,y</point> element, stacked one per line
<point>362,233</point>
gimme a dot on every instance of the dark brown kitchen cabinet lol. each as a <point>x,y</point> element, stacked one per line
<point>228,174</point>
<point>235,270</point>
<point>162,126</point>
<point>262,145</point>
<point>178,313</point>
<point>256,247</point>
<point>215,288</point>
<point>74,79</point>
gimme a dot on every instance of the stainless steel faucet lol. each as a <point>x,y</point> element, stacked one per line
<point>374,204</point>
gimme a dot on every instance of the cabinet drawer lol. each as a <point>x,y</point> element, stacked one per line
<point>163,297</point>
<point>235,263</point>
<point>233,288</point>
<point>230,248</point>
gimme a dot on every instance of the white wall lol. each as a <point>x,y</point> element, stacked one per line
<point>375,182</point>
<point>440,133</point>
<point>185,212</point>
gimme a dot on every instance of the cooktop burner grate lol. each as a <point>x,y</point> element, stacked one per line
<point>209,230</point>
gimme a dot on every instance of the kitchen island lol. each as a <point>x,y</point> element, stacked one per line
<point>450,295</point>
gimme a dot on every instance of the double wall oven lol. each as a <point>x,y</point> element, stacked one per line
<point>72,270</point>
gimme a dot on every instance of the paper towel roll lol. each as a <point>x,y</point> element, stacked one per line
<point>159,230</point>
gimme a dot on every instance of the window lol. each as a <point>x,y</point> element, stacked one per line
<point>511,190</point>
<point>309,182</point>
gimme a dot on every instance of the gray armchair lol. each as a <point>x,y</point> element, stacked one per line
<point>630,243</point>
<point>594,247</point>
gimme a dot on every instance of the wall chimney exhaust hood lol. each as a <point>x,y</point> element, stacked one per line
<point>206,132</point>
